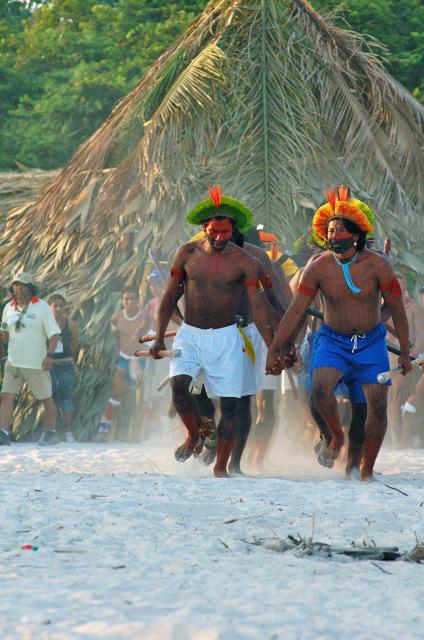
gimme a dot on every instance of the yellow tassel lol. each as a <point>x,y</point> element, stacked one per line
<point>248,346</point>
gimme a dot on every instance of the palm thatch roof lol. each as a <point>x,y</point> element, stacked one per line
<point>19,187</point>
<point>265,97</point>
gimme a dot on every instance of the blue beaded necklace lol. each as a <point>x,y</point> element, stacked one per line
<point>346,272</point>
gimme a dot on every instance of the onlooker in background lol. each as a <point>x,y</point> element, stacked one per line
<point>33,333</point>
<point>125,323</point>
<point>63,369</point>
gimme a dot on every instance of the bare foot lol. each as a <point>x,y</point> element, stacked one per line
<point>235,470</point>
<point>220,473</point>
<point>367,477</point>
<point>352,473</point>
<point>327,453</point>
<point>208,455</point>
<point>189,446</point>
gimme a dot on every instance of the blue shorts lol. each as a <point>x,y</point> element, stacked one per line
<point>125,365</point>
<point>63,385</point>
<point>346,386</point>
<point>359,358</point>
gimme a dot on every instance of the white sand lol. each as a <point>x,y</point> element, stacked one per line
<point>135,545</point>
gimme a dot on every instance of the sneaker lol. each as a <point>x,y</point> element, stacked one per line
<point>69,436</point>
<point>4,438</point>
<point>48,438</point>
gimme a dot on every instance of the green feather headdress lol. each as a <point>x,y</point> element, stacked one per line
<point>219,205</point>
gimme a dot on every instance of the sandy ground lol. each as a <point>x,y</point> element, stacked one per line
<point>132,544</point>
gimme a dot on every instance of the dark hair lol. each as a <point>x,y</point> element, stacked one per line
<point>32,288</point>
<point>252,236</point>
<point>237,237</point>
<point>353,228</point>
<point>54,297</point>
<point>205,222</point>
<point>129,289</point>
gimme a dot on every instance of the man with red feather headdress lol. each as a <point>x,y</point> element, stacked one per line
<point>351,280</point>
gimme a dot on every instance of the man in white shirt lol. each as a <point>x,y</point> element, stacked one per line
<point>32,331</point>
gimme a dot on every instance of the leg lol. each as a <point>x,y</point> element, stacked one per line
<point>6,410</point>
<point>324,381</point>
<point>356,437</point>
<point>112,407</point>
<point>51,413</point>
<point>186,408</point>
<point>375,427</point>
<point>264,428</point>
<point>49,435</point>
<point>411,413</point>
<point>244,421</point>
<point>206,410</point>
<point>226,433</point>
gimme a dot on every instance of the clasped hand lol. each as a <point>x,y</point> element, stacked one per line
<point>280,359</point>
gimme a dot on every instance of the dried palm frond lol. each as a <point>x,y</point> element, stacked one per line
<point>301,547</point>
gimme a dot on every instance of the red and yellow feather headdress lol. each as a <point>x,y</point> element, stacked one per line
<point>340,205</point>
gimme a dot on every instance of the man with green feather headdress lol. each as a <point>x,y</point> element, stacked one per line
<point>214,272</point>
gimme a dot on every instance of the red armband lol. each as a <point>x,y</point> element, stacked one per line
<point>176,273</point>
<point>393,287</point>
<point>267,282</point>
<point>252,283</point>
<point>307,291</point>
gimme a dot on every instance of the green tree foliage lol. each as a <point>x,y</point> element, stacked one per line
<point>397,24</point>
<point>64,64</point>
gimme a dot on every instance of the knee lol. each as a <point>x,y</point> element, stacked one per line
<point>180,389</point>
<point>229,407</point>
<point>322,393</point>
<point>378,408</point>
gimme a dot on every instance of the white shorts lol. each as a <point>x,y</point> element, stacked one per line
<point>263,382</point>
<point>217,353</point>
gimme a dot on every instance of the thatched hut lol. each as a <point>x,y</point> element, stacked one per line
<point>17,188</point>
<point>267,98</point>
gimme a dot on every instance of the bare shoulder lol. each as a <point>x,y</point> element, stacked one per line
<point>377,261</point>
<point>315,263</point>
<point>245,255</point>
<point>255,251</point>
<point>186,251</point>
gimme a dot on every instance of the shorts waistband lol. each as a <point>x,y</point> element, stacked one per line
<point>188,327</point>
<point>366,334</point>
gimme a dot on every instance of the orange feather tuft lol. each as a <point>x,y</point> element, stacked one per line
<point>215,194</point>
<point>330,194</point>
<point>343,193</point>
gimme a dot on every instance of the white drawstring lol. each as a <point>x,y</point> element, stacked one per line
<point>354,339</point>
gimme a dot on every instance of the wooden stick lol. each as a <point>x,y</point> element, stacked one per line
<point>166,353</point>
<point>150,337</point>
<point>386,375</point>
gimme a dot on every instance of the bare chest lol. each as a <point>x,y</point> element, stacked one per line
<point>335,281</point>
<point>216,271</point>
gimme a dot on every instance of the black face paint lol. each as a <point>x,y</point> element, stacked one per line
<point>340,245</point>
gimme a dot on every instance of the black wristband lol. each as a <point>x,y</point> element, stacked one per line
<point>50,355</point>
